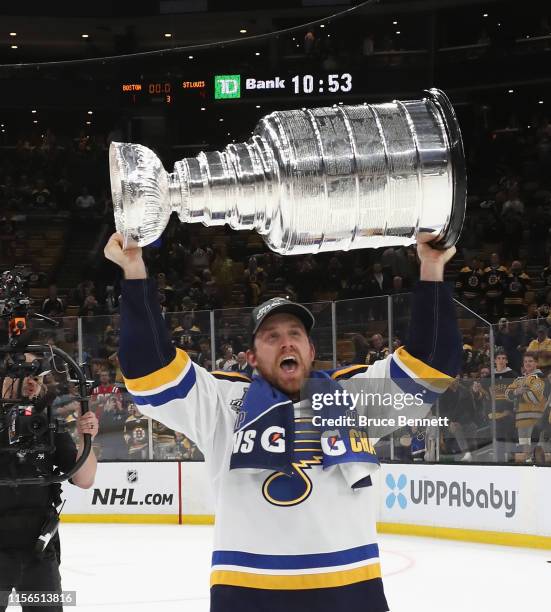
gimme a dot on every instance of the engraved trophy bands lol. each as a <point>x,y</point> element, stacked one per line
<point>311,180</point>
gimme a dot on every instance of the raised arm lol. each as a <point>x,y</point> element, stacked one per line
<point>431,357</point>
<point>162,380</point>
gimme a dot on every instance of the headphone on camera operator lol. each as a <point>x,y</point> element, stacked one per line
<point>36,451</point>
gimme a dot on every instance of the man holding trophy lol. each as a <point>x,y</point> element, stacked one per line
<point>292,473</point>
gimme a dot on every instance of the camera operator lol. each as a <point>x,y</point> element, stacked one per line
<point>25,510</point>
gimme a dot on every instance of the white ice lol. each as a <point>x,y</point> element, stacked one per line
<point>165,568</point>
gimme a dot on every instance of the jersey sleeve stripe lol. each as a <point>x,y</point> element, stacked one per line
<point>178,391</point>
<point>160,378</point>
<point>350,370</point>
<point>415,368</point>
<point>230,375</point>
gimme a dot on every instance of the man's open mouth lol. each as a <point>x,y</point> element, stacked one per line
<point>288,363</point>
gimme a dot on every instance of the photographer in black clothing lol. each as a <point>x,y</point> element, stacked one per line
<point>26,510</point>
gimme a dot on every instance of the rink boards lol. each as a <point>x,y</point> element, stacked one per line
<point>496,504</point>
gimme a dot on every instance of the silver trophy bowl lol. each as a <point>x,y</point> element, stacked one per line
<point>310,180</point>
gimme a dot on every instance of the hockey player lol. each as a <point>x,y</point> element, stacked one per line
<point>295,509</point>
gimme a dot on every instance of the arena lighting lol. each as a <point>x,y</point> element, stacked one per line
<point>84,36</point>
<point>88,123</point>
<point>398,32</point>
<point>168,35</point>
<point>14,47</point>
<point>203,108</point>
<point>35,121</point>
<point>257,53</point>
<point>322,25</point>
<point>511,90</point>
<point>13,33</point>
<point>258,106</point>
<point>242,31</point>
<point>190,56</point>
<point>394,23</point>
<point>228,134</point>
<point>220,119</point>
<point>540,101</point>
<point>33,111</point>
<point>485,15</point>
<point>90,112</point>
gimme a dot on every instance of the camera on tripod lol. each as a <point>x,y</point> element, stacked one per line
<point>27,424</point>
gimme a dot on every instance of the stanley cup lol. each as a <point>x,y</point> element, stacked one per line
<point>310,180</point>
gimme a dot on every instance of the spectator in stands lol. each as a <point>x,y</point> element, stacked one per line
<point>546,277</point>
<point>493,282</point>
<point>377,351</point>
<point>457,405</point>
<point>472,359</point>
<point>204,353</point>
<point>83,290</point>
<point>41,196</point>
<point>110,341</point>
<point>516,286</point>
<point>111,300</point>
<point>541,348</point>
<point>101,392</point>
<point>254,281</point>
<point>228,360</point>
<point>52,306</point>
<point>164,442</point>
<point>111,429</point>
<point>356,284</point>
<point>136,434</point>
<point>90,307</point>
<point>85,202</point>
<point>379,282</point>
<point>504,416</point>
<point>528,395</point>
<point>242,365</point>
<point>309,43</point>
<point>166,289</point>
<point>468,285</point>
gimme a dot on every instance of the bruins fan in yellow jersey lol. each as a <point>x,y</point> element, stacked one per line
<point>136,432</point>
<point>528,392</point>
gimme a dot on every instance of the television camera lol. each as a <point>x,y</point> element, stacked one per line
<point>27,424</point>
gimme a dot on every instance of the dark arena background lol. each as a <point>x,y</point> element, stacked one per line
<point>184,76</point>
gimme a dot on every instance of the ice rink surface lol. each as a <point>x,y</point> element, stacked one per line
<point>165,568</point>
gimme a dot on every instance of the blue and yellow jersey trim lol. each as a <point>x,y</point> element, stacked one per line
<point>233,376</point>
<point>348,371</point>
<point>295,572</point>
<point>414,376</point>
<point>173,381</point>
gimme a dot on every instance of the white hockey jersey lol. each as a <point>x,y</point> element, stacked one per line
<point>281,542</point>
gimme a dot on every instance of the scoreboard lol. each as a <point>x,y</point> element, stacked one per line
<point>237,86</point>
<point>160,92</point>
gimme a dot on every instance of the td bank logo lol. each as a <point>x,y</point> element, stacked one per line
<point>430,493</point>
<point>227,86</point>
